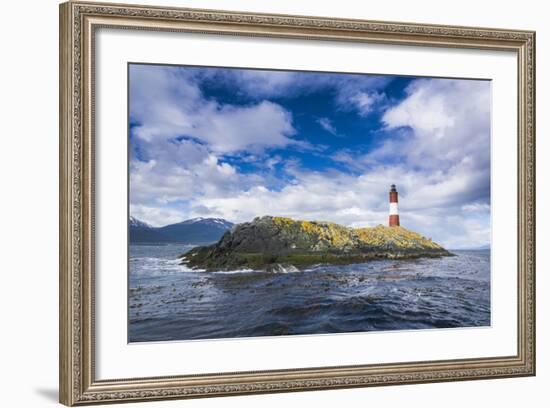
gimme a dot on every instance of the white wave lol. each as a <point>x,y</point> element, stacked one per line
<point>148,259</point>
<point>236,271</point>
<point>159,266</point>
<point>278,269</point>
<point>185,268</point>
<point>285,269</point>
<point>174,261</point>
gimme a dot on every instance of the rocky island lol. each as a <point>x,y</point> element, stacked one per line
<point>272,243</point>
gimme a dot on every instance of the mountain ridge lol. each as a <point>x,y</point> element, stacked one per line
<point>192,231</point>
<point>136,223</point>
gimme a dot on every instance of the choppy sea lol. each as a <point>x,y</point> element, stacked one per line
<point>169,301</point>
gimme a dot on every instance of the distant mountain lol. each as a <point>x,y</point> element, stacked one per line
<point>196,230</point>
<point>215,222</point>
<point>135,223</point>
<point>481,248</point>
<point>193,231</point>
<point>142,232</point>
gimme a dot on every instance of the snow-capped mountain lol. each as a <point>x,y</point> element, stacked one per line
<point>209,221</point>
<point>135,223</point>
<point>193,231</point>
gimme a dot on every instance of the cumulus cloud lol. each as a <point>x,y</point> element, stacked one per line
<point>156,216</point>
<point>450,122</point>
<point>358,201</point>
<point>185,172</point>
<point>179,138</point>
<point>334,197</point>
<point>167,102</point>
<point>352,91</point>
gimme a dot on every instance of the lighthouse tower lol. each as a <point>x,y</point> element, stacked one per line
<point>394,214</point>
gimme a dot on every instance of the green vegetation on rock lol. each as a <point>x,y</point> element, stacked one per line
<point>269,242</point>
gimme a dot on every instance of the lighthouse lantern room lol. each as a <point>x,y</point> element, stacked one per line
<point>394,213</point>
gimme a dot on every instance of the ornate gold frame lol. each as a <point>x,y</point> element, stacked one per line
<point>78,22</point>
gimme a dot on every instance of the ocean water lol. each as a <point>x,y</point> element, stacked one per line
<point>168,301</point>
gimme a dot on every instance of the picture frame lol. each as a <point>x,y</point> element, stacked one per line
<point>79,23</point>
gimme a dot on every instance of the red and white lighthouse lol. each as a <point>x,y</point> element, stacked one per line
<point>394,213</point>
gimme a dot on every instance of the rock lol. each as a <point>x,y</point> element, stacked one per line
<point>272,243</point>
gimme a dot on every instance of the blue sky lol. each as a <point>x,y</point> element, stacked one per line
<point>241,143</point>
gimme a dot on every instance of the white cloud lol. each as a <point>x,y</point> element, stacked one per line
<point>442,130</point>
<point>326,124</point>
<point>352,91</point>
<point>167,102</point>
<point>232,129</point>
<point>366,102</point>
<point>476,207</point>
<point>313,196</point>
<point>355,201</point>
<point>180,137</point>
<point>427,204</point>
<point>156,216</point>
<point>183,173</point>
<point>450,122</point>
<point>264,84</point>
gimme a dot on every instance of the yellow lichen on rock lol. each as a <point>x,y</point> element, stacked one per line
<point>397,236</point>
<point>332,234</point>
<point>339,236</point>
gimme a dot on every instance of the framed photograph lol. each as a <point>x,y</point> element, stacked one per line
<point>256,203</point>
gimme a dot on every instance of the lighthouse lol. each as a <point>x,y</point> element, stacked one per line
<point>394,214</point>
